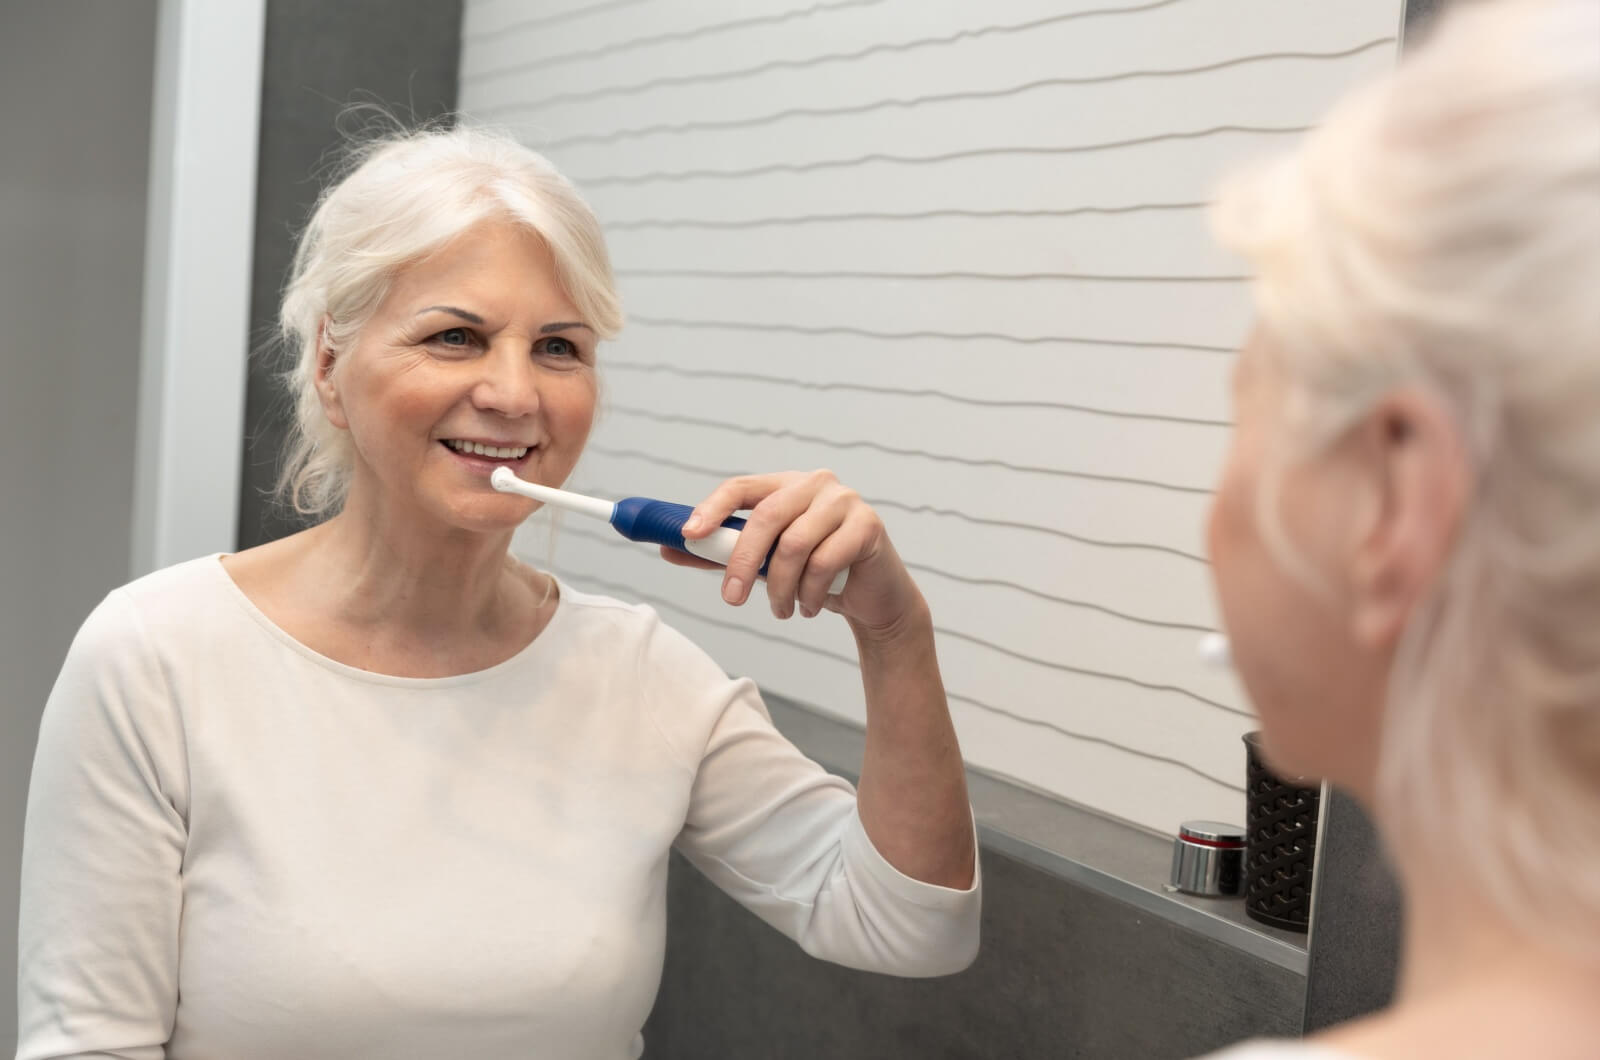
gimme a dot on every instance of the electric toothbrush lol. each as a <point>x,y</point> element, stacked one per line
<point>643,519</point>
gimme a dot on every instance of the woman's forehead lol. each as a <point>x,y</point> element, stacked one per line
<point>500,263</point>
<point>488,247</point>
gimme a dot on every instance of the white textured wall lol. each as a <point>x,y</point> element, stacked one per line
<point>957,253</point>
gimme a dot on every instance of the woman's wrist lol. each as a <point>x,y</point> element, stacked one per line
<point>911,628</point>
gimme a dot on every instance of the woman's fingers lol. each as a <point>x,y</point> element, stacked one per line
<point>774,501</point>
<point>735,494</point>
<point>684,559</point>
<point>808,540</point>
<point>856,536</point>
<point>769,519</point>
<point>812,526</point>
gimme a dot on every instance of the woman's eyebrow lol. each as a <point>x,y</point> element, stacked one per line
<point>548,328</point>
<point>462,313</point>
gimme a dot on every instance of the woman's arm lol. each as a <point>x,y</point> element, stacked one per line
<point>784,837</point>
<point>102,850</point>
<point>912,796</point>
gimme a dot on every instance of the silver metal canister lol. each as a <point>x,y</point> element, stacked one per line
<point>1208,859</point>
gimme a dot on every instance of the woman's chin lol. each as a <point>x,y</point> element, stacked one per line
<point>497,514</point>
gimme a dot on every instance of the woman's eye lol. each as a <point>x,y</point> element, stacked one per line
<point>560,347</point>
<point>454,337</point>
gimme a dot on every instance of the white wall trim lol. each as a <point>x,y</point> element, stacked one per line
<point>205,126</point>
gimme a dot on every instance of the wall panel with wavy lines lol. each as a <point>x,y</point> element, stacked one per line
<point>958,254</point>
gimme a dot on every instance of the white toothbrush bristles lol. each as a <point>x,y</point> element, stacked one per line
<point>1213,648</point>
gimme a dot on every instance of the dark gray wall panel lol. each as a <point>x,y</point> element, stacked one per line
<point>1064,972</point>
<point>319,58</point>
<point>1355,935</point>
<point>1418,12</point>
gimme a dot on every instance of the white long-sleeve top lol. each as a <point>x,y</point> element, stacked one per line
<point>237,847</point>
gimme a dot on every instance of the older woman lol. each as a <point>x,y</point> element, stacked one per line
<point>1406,538</point>
<point>381,789</point>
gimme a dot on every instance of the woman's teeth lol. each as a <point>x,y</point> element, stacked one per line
<point>495,452</point>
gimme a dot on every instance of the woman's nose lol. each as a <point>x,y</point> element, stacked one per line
<point>509,384</point>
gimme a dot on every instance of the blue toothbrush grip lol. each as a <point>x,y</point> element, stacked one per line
<point>661,523</point>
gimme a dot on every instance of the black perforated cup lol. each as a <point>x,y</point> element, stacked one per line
<point>1280,843</point>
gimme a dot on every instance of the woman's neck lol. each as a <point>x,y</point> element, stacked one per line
<point>411,579</point>
<point>1455,938</point>
<point>1474,984</point>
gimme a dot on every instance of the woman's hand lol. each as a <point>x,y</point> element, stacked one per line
<point>821,528</point>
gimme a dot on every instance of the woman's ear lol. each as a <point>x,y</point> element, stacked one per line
<point>1419,464</point>
<point>327,360</point>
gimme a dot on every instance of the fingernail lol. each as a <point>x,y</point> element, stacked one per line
<point>808,611</point>
<point>692,523</point>
<point>732,590</point>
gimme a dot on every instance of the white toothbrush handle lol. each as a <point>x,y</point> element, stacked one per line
<point>717,547</point>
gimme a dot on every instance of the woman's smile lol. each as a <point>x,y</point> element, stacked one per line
<point>484,456</point>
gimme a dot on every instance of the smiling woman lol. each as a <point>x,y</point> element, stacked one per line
<point>378,788</point>
<point>430,397</point>
<point>415,198</point>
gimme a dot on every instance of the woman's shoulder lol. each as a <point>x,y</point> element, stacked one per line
<point>198,575</point>
<point>180,597</point>
<point>634,621</point>
<point>598,607</point>
<point>152,600</point>
<point>116,662</point>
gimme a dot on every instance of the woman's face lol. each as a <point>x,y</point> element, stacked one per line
<point>475,345</point>
<point>1317,689</point>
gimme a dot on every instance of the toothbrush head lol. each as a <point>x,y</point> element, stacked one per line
<point>1213,648</point>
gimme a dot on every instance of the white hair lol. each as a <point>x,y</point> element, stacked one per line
<point>406,195</point>
<point>1441,231</point>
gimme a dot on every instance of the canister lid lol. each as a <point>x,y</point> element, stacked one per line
<point>1211,833</point>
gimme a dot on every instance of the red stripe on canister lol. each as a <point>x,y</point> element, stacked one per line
<point>1221,844</point>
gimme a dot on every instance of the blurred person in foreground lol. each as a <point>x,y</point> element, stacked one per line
<point>1406,536</point>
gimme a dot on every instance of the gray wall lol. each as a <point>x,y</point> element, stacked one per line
<point>1418,14</point>
<point>76,77</point>
<point>1073,963</point>
<point>1064,971</point>
<point>1354,954</point>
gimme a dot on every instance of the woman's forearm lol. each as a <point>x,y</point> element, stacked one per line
<point>913,791</point>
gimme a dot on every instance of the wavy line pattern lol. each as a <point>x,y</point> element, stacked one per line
<point>752,218</point>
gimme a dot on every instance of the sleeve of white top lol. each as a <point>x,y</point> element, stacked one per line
<point>782,836</point>
<point>103,842</point>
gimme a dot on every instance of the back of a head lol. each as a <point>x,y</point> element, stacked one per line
<point>1442,231</point>
<point>401,197</point>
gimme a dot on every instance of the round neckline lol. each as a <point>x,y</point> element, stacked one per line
<point>277,632</point>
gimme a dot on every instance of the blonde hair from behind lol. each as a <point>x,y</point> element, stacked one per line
<point>1441,231</point>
